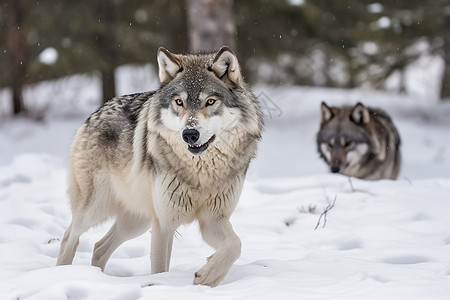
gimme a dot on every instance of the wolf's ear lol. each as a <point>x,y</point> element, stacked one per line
<point>360,114</point>
<point>169,64</point>
<point>226,66</point>
<point>325,113</point>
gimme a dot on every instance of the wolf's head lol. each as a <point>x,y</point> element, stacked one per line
<point>344,140</point>
<point>203,96</point>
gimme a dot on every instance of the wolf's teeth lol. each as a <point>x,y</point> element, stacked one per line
<point>196,146</point>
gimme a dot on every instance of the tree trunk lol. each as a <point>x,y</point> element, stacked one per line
<point>177,31</point>
<point>445,88</point>
<point>15,45</point>
<point>402,84</point>
<point>210,25</point>
<point>108,85</point>
<point>107,46</point>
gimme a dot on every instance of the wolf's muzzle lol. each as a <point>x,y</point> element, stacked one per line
<point>191,137</point>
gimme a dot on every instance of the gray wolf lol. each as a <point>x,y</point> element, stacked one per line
<point>359,141</point>
<point>165,158</point>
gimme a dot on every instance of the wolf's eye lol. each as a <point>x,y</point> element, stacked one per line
<point>179,102</point>
<point>348,144</point>
<point>210,101</point>
<point>330,143</point>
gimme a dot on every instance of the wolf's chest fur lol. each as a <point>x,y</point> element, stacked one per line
<point>171,179</point>
<point>191,185</point>
<point>197,188</point>
<point>186,202</point>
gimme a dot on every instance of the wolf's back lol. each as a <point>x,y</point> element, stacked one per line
<point>385,129</point>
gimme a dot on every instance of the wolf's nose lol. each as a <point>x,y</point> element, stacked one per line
<point>335,169</point>
<point>191,136</point>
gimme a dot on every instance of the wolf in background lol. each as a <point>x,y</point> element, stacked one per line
<point>165,158</point>
<point>359,141</point>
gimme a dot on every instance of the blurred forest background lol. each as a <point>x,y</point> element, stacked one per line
<point>347,44</point>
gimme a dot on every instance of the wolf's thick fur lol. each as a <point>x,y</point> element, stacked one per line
<point>164,158</point>
<point>359,141</point>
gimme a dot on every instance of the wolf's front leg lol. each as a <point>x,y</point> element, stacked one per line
<point>161,248</point>
<point>218,233</point>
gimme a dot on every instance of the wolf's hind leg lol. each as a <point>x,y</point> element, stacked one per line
<point>219,234</point>
<point>126,226</point>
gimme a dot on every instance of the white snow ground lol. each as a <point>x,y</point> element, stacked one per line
<point>381,240</point>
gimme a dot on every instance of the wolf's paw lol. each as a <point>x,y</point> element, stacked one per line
<point>209,275</point>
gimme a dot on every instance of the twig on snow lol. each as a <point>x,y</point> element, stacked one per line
<point>324,214</point>
<point>351,184</point>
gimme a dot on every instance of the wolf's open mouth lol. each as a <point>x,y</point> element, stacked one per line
<point>198,149</point>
